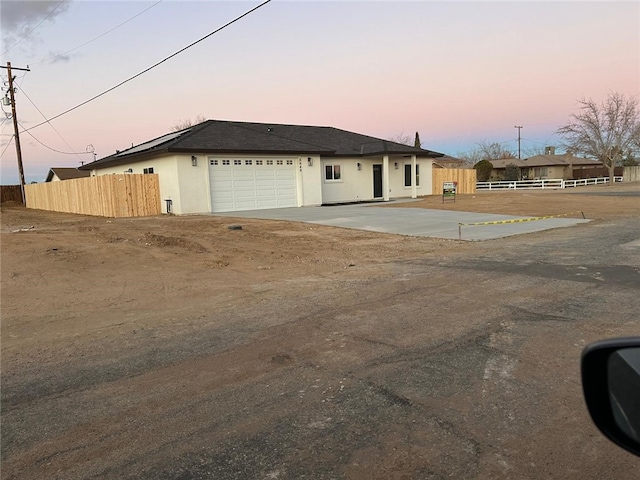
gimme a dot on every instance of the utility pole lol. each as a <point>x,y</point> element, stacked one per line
<point>519,127</point>
<point>15,124</point>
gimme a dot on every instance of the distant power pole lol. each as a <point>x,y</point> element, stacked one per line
<point>519,127</point>
<point>15,124</point>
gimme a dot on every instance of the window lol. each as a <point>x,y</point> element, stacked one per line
<point>289,162</point>
<point>147,170</point>
<point>226,162</point>
<point>213,162</point>
<point>279,162</point>
<point>237,162</point>
<point>248,162</point>
<point>269,162</point>
<point>332,172</point>
<point>258,162</point>
<point>407,175</point>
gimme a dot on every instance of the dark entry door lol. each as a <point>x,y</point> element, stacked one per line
<point>377,181</point>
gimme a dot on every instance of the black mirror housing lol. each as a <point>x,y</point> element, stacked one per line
<point>611,383</point>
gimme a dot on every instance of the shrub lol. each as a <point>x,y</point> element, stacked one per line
<point>512,172</point>
<point>483,169</point>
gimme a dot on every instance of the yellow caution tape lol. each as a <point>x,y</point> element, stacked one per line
<point>520,220</point>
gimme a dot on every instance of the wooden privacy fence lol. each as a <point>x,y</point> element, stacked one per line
<point>10,193</point>
<point>465,177</point>
<point>121,195</point>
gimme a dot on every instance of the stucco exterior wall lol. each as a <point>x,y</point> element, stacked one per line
<point>309,179</point>
<point>357,184</point>
<point>166,168</point>
<point>354,185</point>
<point>396,177</point>
<point>193,185</point>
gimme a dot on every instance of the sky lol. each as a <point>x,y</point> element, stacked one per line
<point>458,72</point>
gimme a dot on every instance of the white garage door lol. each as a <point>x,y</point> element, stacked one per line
<point>251,184</point>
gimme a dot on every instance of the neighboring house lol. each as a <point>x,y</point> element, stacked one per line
<point>62,173</point>
<point>447,161</point>
<point>550,165</point>
<point>224,166</point>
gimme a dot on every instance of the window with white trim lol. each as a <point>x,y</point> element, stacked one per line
<point>290,162</point>
<point>248,162</point>
<point>226,162</point>
<point>147,170</point>
<point>237,162</point>
<point>407,175</point>
<point>258,162</point>
<point>213,162</point>
<point>269,162</point>
<point>332,173</point>
<point>279,162</point>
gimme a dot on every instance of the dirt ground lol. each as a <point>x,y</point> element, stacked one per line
<point>175,347</point>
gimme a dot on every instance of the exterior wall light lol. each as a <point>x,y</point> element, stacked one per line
<point>359,166</point>
<point>396,166</point>
<point>310,161</point>
<point>194,161</point>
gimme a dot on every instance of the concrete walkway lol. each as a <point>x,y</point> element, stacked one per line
<point>418,222</point>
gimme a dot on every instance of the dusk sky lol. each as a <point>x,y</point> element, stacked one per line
<point>457,72</point>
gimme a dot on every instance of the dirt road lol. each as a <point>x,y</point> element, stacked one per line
<point>174,347</point>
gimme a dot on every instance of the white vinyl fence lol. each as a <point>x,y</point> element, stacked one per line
<point>552,183</point>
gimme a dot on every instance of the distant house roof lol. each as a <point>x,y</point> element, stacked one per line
<point>544,161</point>
<point>218,136</point>
<point>447,161</point>
<point>65,173</point>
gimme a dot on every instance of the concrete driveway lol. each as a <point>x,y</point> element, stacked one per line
<point>417,222</point>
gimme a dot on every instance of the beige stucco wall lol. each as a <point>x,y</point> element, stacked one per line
<point>309,180</point>
<point>357,185</point>
<point>396,177</point>
<point>193,185</point>
<point>187,186</point>
<point>167,169</point>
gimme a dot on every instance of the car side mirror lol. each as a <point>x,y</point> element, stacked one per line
<point>611,385</point>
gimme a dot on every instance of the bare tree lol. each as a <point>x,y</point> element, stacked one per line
<point>486,151</point>
<point>605,131</point>
<point>401,138</point>
<point>182,124</point>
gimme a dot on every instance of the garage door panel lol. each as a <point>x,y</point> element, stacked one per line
<point>252,186</point>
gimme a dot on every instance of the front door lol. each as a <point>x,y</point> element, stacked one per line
<point>377,181</point>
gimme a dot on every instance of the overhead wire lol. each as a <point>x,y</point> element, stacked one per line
<point>34,28</point>
<point>47,146</point>
<point>154,65</point>
<point>51,125</point>
<point>53,57</point>
<point>7,145</point>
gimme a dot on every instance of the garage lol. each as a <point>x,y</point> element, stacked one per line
<point>251,184</point>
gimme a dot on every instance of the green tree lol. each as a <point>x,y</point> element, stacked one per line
<point>483,170</point>
<point>416,142</point>
<point>512,172</point>
<point>604,131</point>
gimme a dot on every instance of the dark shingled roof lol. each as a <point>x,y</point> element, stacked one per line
<point>65,173</point>
<point>218,136</point>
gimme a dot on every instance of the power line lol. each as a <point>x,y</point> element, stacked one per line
<point>33,29</point>
<point>47,146</point>
<point>96,38</point>
<point>51,125</point>
<point>6,146</point>
<point>153,66</point>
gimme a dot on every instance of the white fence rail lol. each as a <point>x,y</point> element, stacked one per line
<point>551,183</point>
